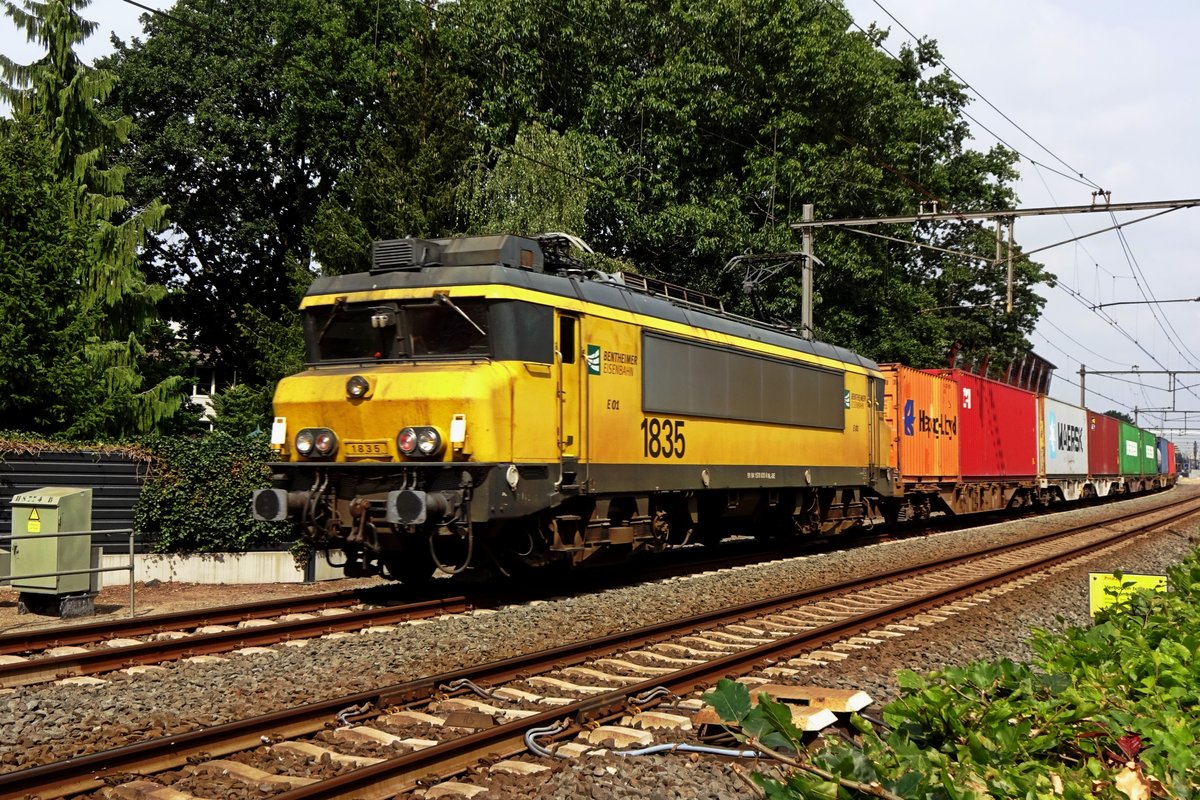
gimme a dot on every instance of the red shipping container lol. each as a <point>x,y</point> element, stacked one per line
<point>1170,458</point>
<point>1104,445</point>
<point>998,427</point>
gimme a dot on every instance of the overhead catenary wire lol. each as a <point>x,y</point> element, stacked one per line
<point>1095,308</point>
<point>1167,327</point>
<point>993,106</point>
<point>1080,179</point>
<point>1078,297</point>
<point>1081,344</point>
<point>1148,295</point>
<point>1092,389</point>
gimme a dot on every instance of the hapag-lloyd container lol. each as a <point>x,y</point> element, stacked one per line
<point>998,428</point>
<point>1064,439</point>
<point>1104,445</point>
<point>922,410</point>
<point>1130,450</point>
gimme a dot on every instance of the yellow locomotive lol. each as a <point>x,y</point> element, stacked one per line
<point>486,401</point>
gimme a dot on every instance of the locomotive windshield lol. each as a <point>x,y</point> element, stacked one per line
<point>437,328</point>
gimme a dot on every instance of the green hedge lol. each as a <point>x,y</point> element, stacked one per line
<point>196,497</point>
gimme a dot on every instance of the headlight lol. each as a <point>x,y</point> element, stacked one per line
<point>304,441</point>
<point>357,387</point>
<point>419,442</point>
<point>429,441</point>
<point>318,442</point>
<point>326,442</point>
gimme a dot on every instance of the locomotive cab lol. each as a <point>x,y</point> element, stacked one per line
<point>425,409</point>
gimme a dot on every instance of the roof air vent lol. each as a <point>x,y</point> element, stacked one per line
<point>396,254</point>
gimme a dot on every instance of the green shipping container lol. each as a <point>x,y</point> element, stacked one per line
<point>1149,453</point>
<point>1131,450</point>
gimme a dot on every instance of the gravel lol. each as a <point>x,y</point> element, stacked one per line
<point>40,724</point>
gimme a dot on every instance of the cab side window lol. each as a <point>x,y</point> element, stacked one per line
<point>566,339</point>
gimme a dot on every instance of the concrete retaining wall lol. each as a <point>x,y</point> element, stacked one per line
<point>217,568</point>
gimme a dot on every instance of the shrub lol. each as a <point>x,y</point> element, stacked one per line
<point>196,497</point>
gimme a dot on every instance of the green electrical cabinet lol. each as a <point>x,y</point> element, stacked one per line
<point>43,513</point>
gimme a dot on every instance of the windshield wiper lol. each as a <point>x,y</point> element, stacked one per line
<point>446,301</point>
<point>338,305</point>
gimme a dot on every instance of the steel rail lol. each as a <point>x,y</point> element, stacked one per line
<point>107,659</point>
<point>98,631</point>
<point>88,773</point>
<point>88,632</point>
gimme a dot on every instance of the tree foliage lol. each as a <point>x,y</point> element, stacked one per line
<point>64,97</point>
<point>707,127</point>
<point>1121,415</point>
<point>671,134</point>
<point>531,188</point>
<point>41,327</point>
<point>283,135</point>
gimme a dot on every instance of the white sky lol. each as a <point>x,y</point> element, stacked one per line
<point>1106,86</point>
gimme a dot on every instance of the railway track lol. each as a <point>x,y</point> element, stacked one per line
<point>90,649</point>
<point>100,630</point>
<point>95,648</point>
<point>380,743</point>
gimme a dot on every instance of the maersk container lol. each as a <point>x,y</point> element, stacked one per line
<point>922,410</point>
<point>998,428</point>
<point>1130,448</point>
<point>1103,445</point>
<point>1064,439</point>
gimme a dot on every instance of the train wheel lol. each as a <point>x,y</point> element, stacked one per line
<point>707,534</point>
<point>413,566</point>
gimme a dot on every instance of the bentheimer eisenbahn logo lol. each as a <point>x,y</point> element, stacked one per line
<point>610,362</point>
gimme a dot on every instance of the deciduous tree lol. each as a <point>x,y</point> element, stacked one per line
<point>285,136</point>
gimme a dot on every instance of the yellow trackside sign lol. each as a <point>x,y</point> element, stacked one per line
<point>1105,588</point>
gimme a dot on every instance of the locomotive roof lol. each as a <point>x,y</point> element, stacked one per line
<point>588,286</point>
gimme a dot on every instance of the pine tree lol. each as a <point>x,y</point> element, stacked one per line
<point>65,95</point>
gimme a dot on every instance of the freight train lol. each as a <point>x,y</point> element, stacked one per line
<point>487,401</point>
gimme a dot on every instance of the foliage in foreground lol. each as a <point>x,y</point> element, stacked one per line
<point>1104,712</point>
